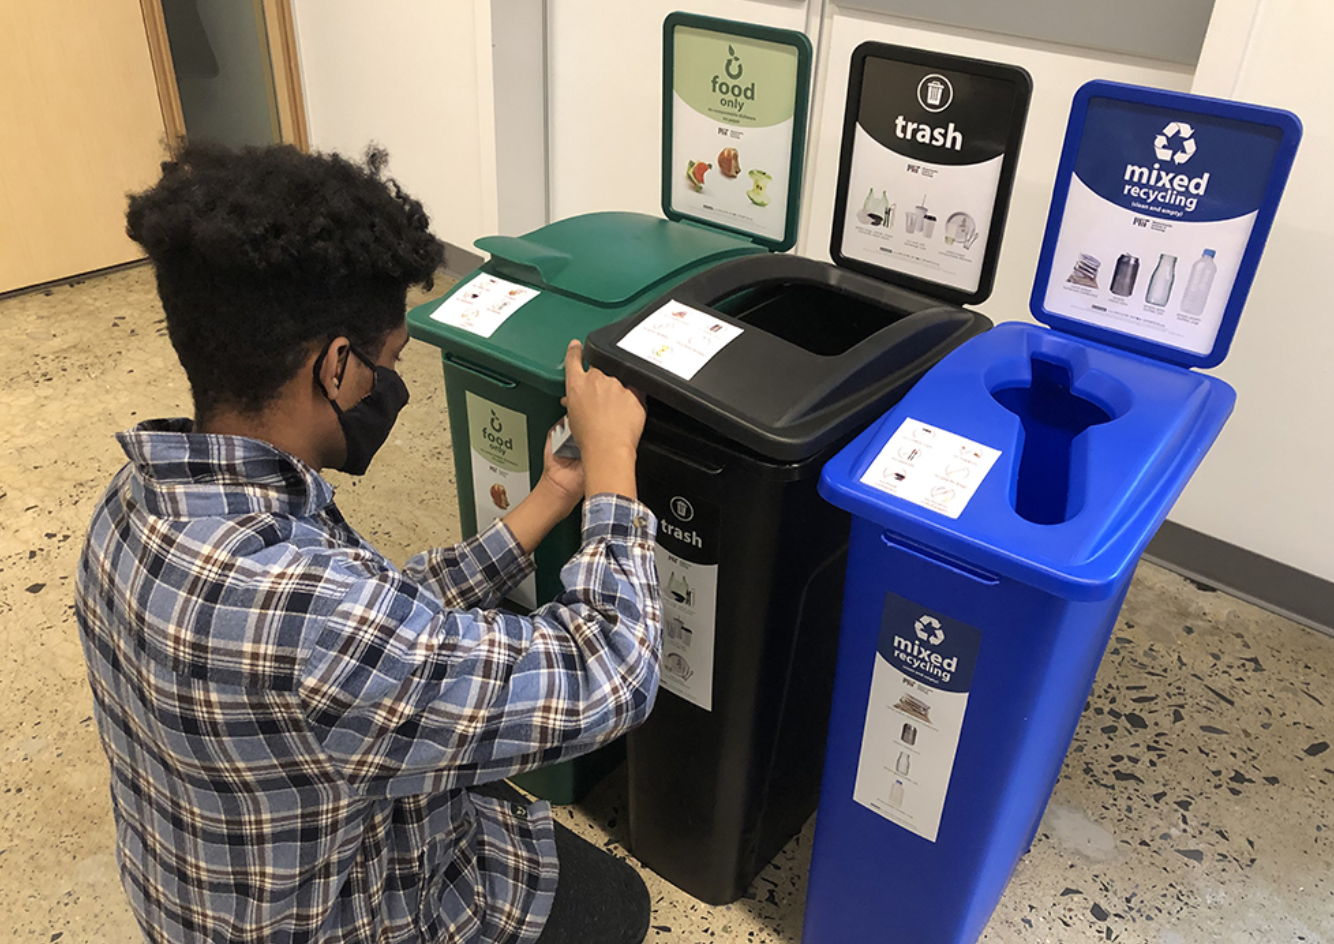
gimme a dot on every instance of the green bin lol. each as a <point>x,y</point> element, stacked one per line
<point>504,330</point>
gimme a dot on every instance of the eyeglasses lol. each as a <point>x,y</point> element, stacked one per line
<point>342,365</point>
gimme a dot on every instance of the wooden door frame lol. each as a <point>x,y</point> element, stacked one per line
<point>280,27</point>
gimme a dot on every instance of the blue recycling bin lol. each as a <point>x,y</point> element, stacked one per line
<point>999,511</point>
<point>969,644</point>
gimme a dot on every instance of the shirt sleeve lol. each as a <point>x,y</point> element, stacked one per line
<point>477,572</point>
<point>408,696</point>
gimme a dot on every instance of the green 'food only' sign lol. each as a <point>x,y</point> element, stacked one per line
<point>742,82</point>
<point>499,435</point>
<point>734,102</point>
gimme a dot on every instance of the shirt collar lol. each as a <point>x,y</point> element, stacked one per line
<point>194,475</point>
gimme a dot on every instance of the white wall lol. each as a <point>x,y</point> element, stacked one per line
<point>1264,486</point>
<point>405,74</point>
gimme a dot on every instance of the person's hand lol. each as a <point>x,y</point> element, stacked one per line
<point>557,491</point>
<point>607,420</point>
<point>563,477</point>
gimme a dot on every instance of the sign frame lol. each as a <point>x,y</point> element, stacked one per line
<point>800,115</point>
<point>1286,123</point>
<point>1001,72</point>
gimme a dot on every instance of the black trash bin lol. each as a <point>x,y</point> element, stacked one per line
<point>757,371</point>
<point>727,768</point>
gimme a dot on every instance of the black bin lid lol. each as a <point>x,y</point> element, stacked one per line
<point>815,351</point>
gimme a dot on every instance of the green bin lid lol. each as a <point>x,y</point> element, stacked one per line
<point>607,259</point>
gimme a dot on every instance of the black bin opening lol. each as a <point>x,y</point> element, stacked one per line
<point>814,317</point>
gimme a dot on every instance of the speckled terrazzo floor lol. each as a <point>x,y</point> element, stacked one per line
<point>1195,805</point>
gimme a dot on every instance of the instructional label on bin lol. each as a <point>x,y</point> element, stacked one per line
<point>679,339</point>
<point>483,304</point>
<point>930,467</point>
<point>687,559</point>
<point>919,693</point>
<point>498,438</point>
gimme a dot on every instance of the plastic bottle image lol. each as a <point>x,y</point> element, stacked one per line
<point>1123,279</point>
<point>1197,286</point>
<point>896,794</point>
<point>1160,283</point>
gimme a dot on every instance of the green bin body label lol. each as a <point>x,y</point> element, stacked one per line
<point>498,440</point>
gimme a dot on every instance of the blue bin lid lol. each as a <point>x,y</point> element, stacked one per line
<point>1162,205</point>
<point>1129,471</point>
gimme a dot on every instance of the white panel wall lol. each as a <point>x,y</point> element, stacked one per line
<point>1265,485</point>
<point>405,73</point>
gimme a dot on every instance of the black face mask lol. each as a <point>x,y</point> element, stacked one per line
<point>366,426</point>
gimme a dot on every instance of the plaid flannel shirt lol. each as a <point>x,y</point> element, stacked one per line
<point>292,722</point>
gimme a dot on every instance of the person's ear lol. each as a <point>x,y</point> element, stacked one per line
<point>331,366</point>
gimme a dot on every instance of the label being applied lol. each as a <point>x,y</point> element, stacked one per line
<point>483,304</point>
<point>931,467</point>
<point>919,693</point>
<point>687,559</point>
<point>498,440</point>
<point>679,339</point>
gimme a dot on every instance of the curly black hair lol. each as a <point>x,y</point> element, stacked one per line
<point>264,254</point>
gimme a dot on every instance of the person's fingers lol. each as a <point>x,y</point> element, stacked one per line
<point>574,361</point>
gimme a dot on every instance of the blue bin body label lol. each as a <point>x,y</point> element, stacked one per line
<point>919,693</point>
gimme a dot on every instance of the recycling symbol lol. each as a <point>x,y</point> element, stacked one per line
<point>929,622</point>
<point>1163,144</point>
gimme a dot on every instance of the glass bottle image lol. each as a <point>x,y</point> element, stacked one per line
<point>903,764</point>
<point>1160,283</point>
<point>870,204</point>
<point>1197,286</point>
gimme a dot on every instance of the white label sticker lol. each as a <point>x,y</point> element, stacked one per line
<point>919,693</point>
<point>689,603</point>
<point>499,446</point>
<point>930,467</point>
<point>679,339</point>
<point>483,304</point>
